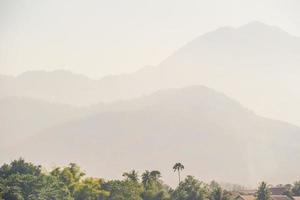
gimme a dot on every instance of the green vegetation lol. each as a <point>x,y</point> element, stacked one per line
<point>263,192</point>
<point>21,180</point>
<point>296,188</point>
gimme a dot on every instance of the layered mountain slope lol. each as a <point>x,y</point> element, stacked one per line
<point>256,64</point>
<point>23,117</point>
<point>56,86</point>
<point>214,136</point>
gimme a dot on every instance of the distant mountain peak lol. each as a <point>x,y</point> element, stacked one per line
<point>257,26</point>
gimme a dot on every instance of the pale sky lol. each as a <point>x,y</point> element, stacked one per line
<point>98,38</point>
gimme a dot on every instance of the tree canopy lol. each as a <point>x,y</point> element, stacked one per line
<point>263,192</point>
<point>21,180</point>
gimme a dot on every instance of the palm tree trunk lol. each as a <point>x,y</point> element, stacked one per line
<point>179,176</point>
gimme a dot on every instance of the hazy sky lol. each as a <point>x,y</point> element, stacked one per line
<point>100,37</point>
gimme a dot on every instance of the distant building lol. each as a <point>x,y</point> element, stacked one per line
<point>276,193</point>
<point>273,191</point>
<point>280,197</point>
<point>277,190</point>
<point>245,197</point>
<point>247,192</point>
<point>273,197</point>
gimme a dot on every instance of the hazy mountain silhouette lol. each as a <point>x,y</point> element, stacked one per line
<point>256,64</point>
<point>58,86</point>
<point>214,136</point>
<point>23,117</point>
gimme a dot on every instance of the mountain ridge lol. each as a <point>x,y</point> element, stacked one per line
<point>129,134</point>
<point>241,64</point>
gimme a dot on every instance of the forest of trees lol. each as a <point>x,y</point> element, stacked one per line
<point>21,180</point>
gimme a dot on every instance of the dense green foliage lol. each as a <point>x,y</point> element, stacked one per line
<point>296,188</point>
<point>21,180</point>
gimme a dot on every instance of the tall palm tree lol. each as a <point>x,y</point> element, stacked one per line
<point>150,177</point>
<point>131,176</point>
<point>146,178</point>
<point>178,167</point>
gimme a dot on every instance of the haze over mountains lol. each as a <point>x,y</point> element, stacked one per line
<point>24,117</point>
<point>124,122</point>
<point>256,64</point>
<point>196,125</point>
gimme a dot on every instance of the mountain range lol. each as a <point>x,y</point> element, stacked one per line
<point>256,64</point>
<point>162,114</point>
<point>202,128</point>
